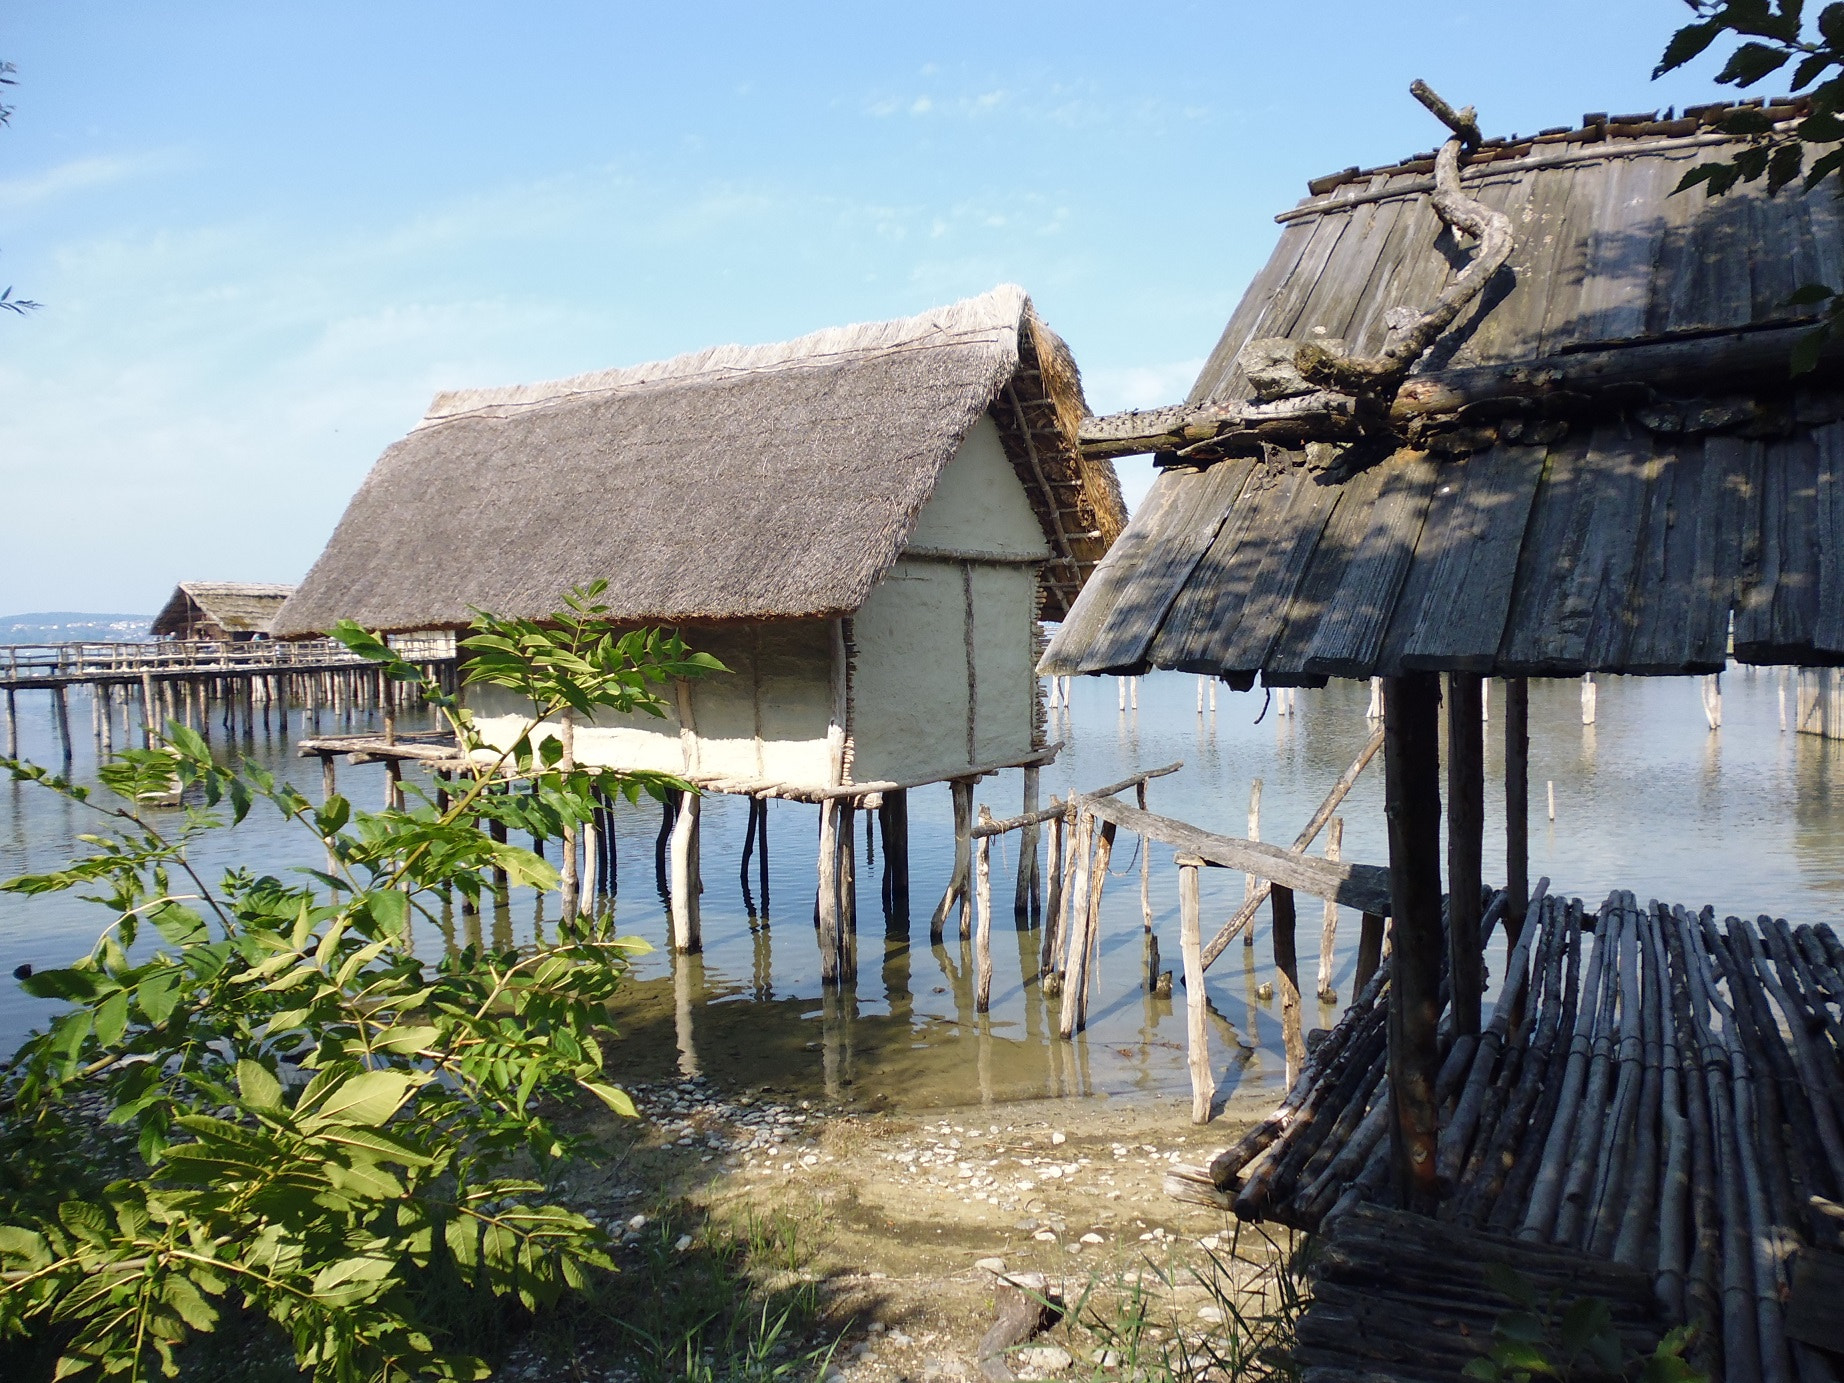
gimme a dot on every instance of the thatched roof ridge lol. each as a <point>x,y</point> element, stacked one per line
<point>239,607</point>
<point>738,483</point>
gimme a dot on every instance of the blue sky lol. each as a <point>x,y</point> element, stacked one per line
<point>265,234</point>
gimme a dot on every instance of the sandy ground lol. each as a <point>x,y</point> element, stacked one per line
<point>904,1220</point>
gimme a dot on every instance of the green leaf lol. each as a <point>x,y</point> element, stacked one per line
<point>365,1100</point>
<point>180,925</point>
<point>257,1086</point>
<point>1523,1326</point>
<point>87,1222</point>
<point>1831,25</point>
<point>112,1018</point>
<point>1481,1368</point>
<point>390,909</point>
<point>1512,1285</point>
<point>158,994</point>
<point>1686,44</point>
<point>1751,62</point>
<point>1521,1354</point>
<point>1806,351</point>
<point>180,1294</point>
<point>1585,1318</point>
<point>616,1099</point>
<point>402,1039</point>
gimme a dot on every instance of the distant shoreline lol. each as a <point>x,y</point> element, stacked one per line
<point>73,626</point>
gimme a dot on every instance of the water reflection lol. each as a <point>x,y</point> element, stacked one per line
<point>1648,797</point>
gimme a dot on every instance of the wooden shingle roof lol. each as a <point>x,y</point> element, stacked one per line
<point>1560,527</point>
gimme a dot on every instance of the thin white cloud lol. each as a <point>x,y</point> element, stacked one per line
<point>1111,388</point>
<point>80,175</point>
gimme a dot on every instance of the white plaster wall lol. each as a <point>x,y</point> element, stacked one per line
<point>979,505</point>
<point>909,685</point>
<point>1004,631</point>
<point>779,679</point>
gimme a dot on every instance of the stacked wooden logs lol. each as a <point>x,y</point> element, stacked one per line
<point>1652,1089</point>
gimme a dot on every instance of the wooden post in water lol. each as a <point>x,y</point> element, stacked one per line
<point>687,928</point>
<point>1146,913</point>
<point>1465,846</point>
<point>893,818</point>
<point>828,903</point>
<point>1197,1030</point>
<point>1369,951</point>
<point>1249,882</point>
<point>1287,976</point>
<point>12,726</point>
<point>848,892</point>
<point>60,705</point>
<point>327,790</point>
<point>1587,698</point>
<point>959,885</point>
<point>1412,804</point>
<point>1028,900</point>
<point>1328,933</point>
<point>147,709</point>
<point>566,764</point>
<point>102,701</point>
<point>1517,808</point>
<point>982,936</point>
<point>1084,939</point>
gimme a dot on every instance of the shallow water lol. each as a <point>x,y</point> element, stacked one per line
<point>1747,818</point>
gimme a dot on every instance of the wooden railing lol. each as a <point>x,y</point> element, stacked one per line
<point>42,664</point>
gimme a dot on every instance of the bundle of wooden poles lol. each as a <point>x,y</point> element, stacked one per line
<point>1652,1088</point>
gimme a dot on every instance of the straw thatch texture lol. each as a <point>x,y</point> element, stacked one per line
<point>1548,535</point>
<point>740,483</point>
<point>210,609</point>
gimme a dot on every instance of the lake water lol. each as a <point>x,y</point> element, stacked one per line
<point>1748,818</point>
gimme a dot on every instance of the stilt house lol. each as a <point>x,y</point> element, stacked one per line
<point>865,525</point>
<point>225,611</point>
<point>1515,410</point>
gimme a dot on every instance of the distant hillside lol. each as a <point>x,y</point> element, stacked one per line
<point>72,626</point>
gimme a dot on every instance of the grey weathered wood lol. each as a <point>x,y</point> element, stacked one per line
<point>1361,886</point>
<point>1197,1031</point>
<point>1349,637</point>
<point>1411,713</point>
<point>1777,607</point>
<point>1828,519</point>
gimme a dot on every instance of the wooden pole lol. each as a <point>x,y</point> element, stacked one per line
<point>1328,933</point>
<point>893,817</point>
<point>103,700</point>
<point>828,902</point>
<point>1369,951</point>
<point>1197,1031</point>
<point>1146,912</point>
<point>960,881</point>
<point>687,934</point>
<point>1412,797</point>
<point>328,789</point>
<point>12,726</point>
<point>568,867</point>
<point>1287,978</point>
<point>1028,901</point>
<point>60,704</point>
<point>848,893</point>
<point>1249,882</point>
<point>982,939</point>
<point>1517,806</point>
<point>1465,844</point>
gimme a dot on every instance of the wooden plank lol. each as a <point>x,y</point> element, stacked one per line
<point>1828,516</point>
<point>1457,595</point>
<point>1288,295</point>
<point>1219,379</point>
<point>1243,639</point>
<point>1312,603</point>
<point>1350,636</point>
<point>1213,588</point>
<point>1691,544</point>
<point>1361,886</point>
<point>1777,606</point>
<point>1121,608</point>
<point>1560,518</point>
<point>1495,329</point>
<point>1623,244</point>
<point>1386,231</point>
<point>1712,284</point>
<point>1672,258</point>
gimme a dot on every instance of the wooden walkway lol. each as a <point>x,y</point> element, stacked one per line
<point>47,666</point>
<point>1669,1098</point>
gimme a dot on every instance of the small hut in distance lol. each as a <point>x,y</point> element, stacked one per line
<point>865,525</point>
<point>222,611</point>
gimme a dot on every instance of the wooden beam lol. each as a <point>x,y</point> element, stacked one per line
<point>996,828</point>
<point>1365,887</point>
<point>1412,804</point>
<point>1465,846</point>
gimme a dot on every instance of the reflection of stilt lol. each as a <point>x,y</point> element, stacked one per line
<point>896,978</point>
<point>447,925</point>
<point>687,981</point>
<point>984,1059</point>
<point>761,960</point>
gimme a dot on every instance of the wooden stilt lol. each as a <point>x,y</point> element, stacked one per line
<point>592,858</point>
<point>687,933</point>
<point>1084,929</point>
<point>762,859</point>
<point>828,900</point>
<point>1287,977</point>
<point>1465,844</point>
<point>1328,933</point>
<point>393,784</point>
<point>328,789</point>
<point>1517,807</point>
<point>1054,865</point>
<point>1250,883</point>
<point>893,820</point>
<point>12,725</point>
<point>568,865</point>
<point>982,940</point>
<point>1029,897</point>
<point>104,702</point>
<point>959,882</point>
<point>1369,951</point>
<point>1060,947</point>
<point>848,893</point>
<point>1412,798</point>
<point>1197,1031</point>
<point>60,705</point>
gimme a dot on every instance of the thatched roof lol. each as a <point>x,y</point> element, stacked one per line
<point>739,483</point>
<point>1602,461</point>
<point>237,607</point>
